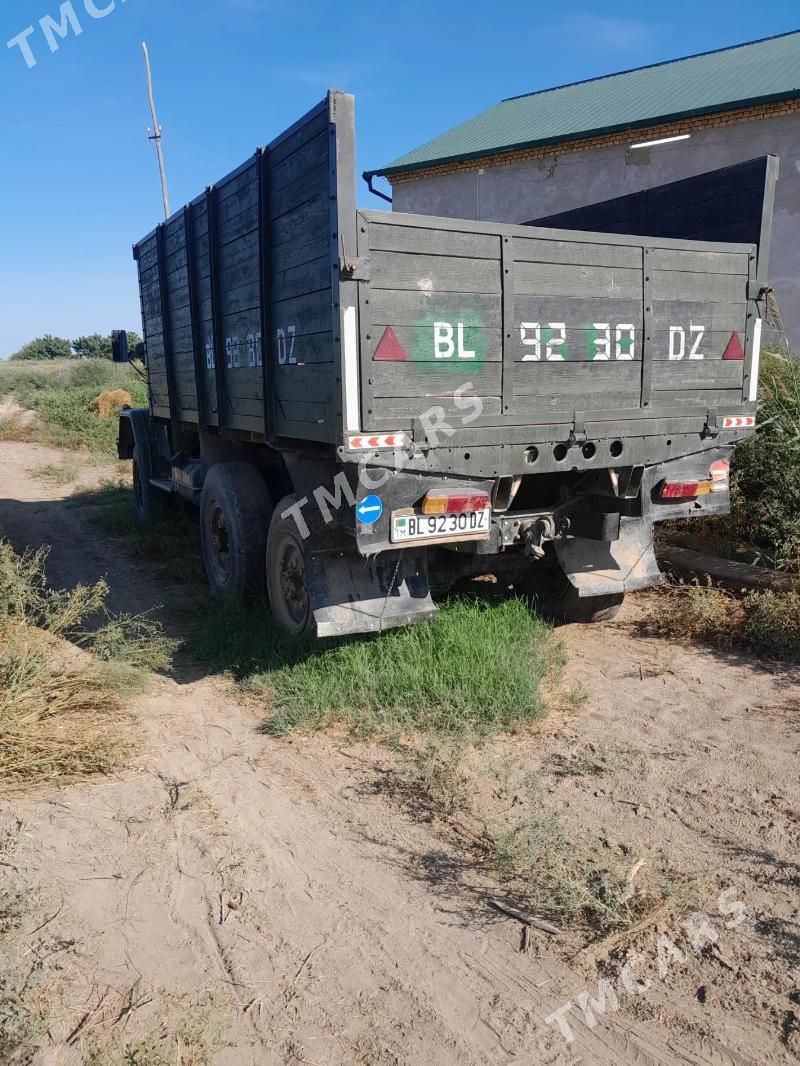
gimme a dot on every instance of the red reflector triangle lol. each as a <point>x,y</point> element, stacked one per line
<point>734,349</point>
<point>389,348</point>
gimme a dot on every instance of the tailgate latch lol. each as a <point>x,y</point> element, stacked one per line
<point>711,428</point>
<point>577,435</point>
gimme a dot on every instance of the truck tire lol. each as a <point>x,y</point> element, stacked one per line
<point>553,594</point>
<point>286,573</point>
<point>147,501</point>
<point>235,511</point>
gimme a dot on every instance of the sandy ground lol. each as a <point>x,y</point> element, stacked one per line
<point>274,899</point>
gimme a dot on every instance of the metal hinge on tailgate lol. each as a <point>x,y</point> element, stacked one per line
<point>356,269</point>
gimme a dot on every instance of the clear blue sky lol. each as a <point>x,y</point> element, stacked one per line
<point>78,182</point>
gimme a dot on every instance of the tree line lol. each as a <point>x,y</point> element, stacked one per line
<point>92,346</point>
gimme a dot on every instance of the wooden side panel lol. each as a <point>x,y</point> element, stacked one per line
<point>152,325</point>
<point>258,255</point>
<point>301,179</point>
<point>435,325</point>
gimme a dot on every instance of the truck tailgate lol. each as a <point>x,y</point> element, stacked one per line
<point>540,325</point>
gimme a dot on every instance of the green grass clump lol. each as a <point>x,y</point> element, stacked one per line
<point>61,397</point>
<point>765,486</point>
<point>477,667</point>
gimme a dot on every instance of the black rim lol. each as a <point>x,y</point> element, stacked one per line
<point>292,581</point>
<point>218,542</point>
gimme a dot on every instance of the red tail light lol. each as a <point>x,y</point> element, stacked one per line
<point>679,490</point>
<point>454,503</point>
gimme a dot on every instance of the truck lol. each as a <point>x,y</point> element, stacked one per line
<point>368,407</point>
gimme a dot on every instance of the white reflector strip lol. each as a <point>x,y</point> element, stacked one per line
<point>739,422</point>
<point>350,360</point>
<point>382,440</point>
<point>756,360</point>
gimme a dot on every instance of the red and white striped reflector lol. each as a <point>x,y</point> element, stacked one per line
<point>739,422</point>
<point>720,470</point>
<point>454,503</point>
<point>383,440</point>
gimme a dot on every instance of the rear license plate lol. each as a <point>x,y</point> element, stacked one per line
<point>408,527</point>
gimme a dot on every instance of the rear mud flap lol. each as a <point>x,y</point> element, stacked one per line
<point>624,565</point>
<point>350,594</point>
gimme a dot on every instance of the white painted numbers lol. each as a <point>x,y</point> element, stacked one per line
<point>678,341</point>
<point>549,341</point>
<point>555,339</point>
<point>285,337</point>
<point>445,338</point>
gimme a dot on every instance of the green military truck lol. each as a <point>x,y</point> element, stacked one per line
<point>368,406</point>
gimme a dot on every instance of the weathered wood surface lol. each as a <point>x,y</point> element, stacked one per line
<point>729,573</point>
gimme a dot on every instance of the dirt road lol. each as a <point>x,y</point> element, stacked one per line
<point>266,900</point>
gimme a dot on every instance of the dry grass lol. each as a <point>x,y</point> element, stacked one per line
<point>62,713</point>
<point>766,623</point>
<point>550,868</point>
<point>56,721</point>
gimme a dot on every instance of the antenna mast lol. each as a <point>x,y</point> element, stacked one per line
<point>155,136</point>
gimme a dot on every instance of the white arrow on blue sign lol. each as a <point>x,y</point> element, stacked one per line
<point>369,510</point>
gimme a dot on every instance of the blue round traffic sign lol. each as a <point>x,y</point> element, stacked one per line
<point>369,510</point>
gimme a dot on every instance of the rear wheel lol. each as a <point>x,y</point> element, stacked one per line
<point>286,573</point>
<point>235,511</point>
<point>554,595</point>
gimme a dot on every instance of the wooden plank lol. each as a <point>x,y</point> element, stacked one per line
<point>305,314</point>
<point>305,382</point>
<point>299,192</point>
<point>239,225</point>
<point>301,280</point>
<point>298,254</point>
<point>578,386</point>
<point>576,253</point>
<point>431,380</point>
<point>701,397</point>
<point>715,317</point>
<point>286,145</point>
<point>700,262</point>
<point>304,411</point>
<point>306,158</point>
<point>578,311</point>
<point>433,242</point>
<point>705,288</point>
<point>432,273</point>
<point>697,374</point>
<point>304,225</point>
<point>563,280</point>
<point>401,410</point>
<point>395,307</point>
<point>729,573</point>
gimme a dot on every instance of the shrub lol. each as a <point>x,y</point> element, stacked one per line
<point>765,485</point>
<point>47,347</point>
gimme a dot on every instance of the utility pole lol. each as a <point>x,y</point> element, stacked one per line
<point>155,137</point>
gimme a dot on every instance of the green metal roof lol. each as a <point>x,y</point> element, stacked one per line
<point>714,81</point>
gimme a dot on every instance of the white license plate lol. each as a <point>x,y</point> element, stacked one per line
<point>407,527</point>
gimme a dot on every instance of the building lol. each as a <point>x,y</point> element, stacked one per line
<point>562,148</point>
